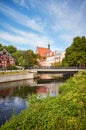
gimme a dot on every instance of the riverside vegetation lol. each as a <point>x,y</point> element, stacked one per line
<point>67,111</point>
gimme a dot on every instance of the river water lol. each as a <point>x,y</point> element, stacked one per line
<point>13,95</point>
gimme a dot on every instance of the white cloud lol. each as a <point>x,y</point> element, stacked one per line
<point>28,4</point>
<point>67,23</point>
<point>24,38</point>
<point>62,15</point>
<point>63,22</point>
<point>22,3</point>
<point>22,19</point>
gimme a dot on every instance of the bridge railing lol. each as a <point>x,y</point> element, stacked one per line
<point>55,67</point>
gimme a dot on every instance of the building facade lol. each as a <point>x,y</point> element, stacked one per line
<point>43,51</point>
<point>6,59</point>
<point>50,57</point>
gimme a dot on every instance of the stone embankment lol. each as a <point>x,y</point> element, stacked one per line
<point>15,77</point>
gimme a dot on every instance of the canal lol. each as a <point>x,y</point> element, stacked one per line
<point>13,95</point>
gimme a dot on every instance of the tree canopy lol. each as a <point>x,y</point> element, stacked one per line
<point>31,58</point>
<point>11,49</point>
<point>76,54</point>
<point>22,58</point>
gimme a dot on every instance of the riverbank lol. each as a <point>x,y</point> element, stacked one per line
<point>64,112</point>
<point>8,76</point>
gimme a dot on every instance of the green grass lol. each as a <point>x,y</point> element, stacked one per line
<point>13,72</point>
<point>64,112</point>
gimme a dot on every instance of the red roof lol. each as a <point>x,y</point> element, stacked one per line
<point>42,89</point>
<point>43,51</point>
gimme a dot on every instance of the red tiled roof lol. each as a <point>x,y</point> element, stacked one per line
<point>43,51</point>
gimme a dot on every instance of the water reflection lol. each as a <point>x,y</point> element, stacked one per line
<point>51,89</point>
<point>13,95</point>
<point>8,106</point>
<point>17,83</point>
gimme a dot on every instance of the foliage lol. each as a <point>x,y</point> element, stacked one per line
<point>22,58</point>
<point>24,91</point>
<point>64,112</point>
<point>31,58</point>
<point>76,53</point>
<point>11,67</point>
<point>57,64</point>
<point>19,57</point>
<point>2,47</point>
<point>11,49</point>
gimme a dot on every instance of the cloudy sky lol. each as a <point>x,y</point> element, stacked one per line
<point>27,24</point>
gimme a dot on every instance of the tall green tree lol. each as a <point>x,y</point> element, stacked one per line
<point>19,57</point>
<point>76,54</point>
<point>31,58</point>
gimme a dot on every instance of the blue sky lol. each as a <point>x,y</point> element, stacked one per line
<point>27,24</point>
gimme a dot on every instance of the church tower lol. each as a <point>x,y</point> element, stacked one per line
<point>49,46</point>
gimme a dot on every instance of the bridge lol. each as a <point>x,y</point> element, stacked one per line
<point>56,70</point>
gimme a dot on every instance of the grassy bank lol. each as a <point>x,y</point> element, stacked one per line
<point>64,112</point>
<point>11,72</point>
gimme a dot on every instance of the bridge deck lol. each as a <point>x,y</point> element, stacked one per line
<point>56,70</point>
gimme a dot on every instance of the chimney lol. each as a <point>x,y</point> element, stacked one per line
<point>49,46</point>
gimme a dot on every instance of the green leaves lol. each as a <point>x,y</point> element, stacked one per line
<point>22,58</point>
<point>67,111</point>
<point>31,58</point>
<point>76,53</point>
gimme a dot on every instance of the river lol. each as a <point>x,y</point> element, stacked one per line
<point>13,95</point>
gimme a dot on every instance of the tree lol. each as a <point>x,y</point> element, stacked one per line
<point>31,58</point>
<point>76,53</point>
<point>19,57</point>
<point>11,49</point>
<point>2,47</point>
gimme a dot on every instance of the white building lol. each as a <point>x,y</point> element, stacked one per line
<point>49,57</point>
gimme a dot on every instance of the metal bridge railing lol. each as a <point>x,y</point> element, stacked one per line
<point>54,67</point>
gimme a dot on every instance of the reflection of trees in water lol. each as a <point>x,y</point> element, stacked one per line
<point>24,91</point>
<point>18,88</point>
<point>27,87</point>
<point>21,91</point>
<point>6,92</point>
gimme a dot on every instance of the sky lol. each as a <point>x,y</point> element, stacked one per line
<point>27,24</point>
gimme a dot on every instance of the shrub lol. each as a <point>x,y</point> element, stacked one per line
<point>67,111</point>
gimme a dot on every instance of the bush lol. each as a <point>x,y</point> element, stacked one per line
<point>11,67</point>
<point>64,112</point>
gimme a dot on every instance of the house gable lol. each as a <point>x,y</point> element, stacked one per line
<point>6,59</point>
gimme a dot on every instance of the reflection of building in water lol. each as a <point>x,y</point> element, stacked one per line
<point>42,91</point>
<point>52,89</point>
<point>6,92</point>
<point>45,89</point>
